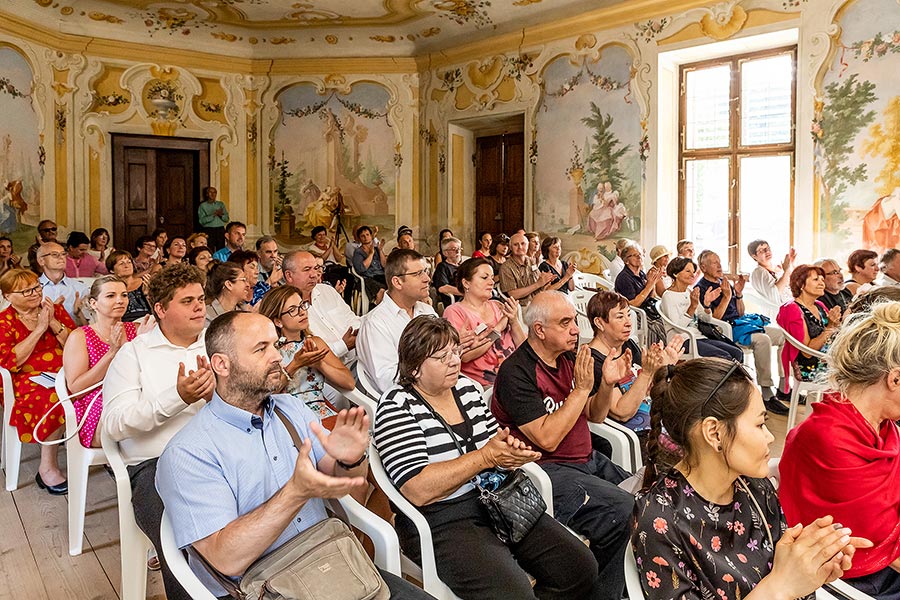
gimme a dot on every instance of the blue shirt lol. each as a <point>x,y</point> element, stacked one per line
<point>67,288</point>
<point>222,254</point>
<point>375,269</point>
<point>225,463</point>
<point>731,313</point>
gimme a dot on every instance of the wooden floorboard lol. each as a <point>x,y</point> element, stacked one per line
<point>19,573</point>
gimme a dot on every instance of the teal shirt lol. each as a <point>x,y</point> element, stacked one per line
<point>207,214</point>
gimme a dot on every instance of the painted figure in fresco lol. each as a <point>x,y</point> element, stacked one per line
<point>309,194</point>
<point>322,211</point>
<point>12,206</point>
<point>607,212</point>
<point>881,225</point>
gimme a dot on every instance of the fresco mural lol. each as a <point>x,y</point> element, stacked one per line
<point>21,154</point>
<point>333,157</point>
<point>588,176</point>
<point>855,133</point>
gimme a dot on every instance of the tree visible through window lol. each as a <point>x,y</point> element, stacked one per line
<point>736,153</point>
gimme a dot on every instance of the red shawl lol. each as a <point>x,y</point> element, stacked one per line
<point>835,464</point>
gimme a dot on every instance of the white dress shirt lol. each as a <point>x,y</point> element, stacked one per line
<point>888,280</point>
<point>67,288</point>
<point>141,406</point>
<point>329,318</point>
<point>763,283</point>
<point>379,337</point>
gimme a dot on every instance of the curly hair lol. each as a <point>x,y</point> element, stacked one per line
<point>170,279</point>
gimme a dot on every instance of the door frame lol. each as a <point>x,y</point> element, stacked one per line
<point>123,141</point>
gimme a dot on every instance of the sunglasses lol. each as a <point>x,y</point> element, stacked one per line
<point>47,229</point>
<point>735,368</point>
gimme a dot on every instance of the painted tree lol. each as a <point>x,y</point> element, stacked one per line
<point>607,151</point>
<point>884,140</point>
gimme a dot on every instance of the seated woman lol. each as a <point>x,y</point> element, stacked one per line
<point>808,321</point>
<point>843,459</point>
<point>551,248</point>
<point>682,306</point>
<point>249,261</point>
<point>90,349</point>
<point>227,288</point>
<point>611,323</point>
<point>863,268</point>
<point>639,288</point>
<point>499,252</point>
<point>120,264</point>
<point>442,235</point>
<point>413,428</point>
<point>176,249</point>
<point>101,244</point>
<point>710,525</point>
<point>502,333</point>
<point>32,332</point>
<point>308,363</point>
<point>200,257</point>
<point>483,245</point>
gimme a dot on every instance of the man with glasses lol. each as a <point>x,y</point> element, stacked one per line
<point>519,277</point>
<point>406,298</point>
<point>444,280</point>
<point>47,232</point>
<point>329,316</point>
<point>51,257</point>
<point>836,294</point>
<point>890,267</point>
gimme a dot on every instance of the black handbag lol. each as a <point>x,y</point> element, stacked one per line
<point>515,506</point>
<point>711,331</point>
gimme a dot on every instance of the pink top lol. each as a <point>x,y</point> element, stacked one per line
<point>484,368</point>
<point>86,266</point>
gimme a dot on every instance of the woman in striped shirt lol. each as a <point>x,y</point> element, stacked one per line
<point>422,460</point>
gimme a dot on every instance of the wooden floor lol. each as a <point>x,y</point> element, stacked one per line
<point>34,542</point>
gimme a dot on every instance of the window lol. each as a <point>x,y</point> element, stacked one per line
<point>736,153</point>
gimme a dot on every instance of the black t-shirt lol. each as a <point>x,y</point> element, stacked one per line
<point>546,267</point>
<point>731,313</point>
<point>444,274</point>
<point>842,299</point>
<point>641,420</point>
<point>630,285</point>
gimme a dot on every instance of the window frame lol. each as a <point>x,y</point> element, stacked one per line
<point>734,152</point>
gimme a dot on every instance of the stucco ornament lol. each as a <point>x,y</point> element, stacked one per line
<point>723,21</point>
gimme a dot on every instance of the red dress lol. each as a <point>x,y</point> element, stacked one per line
<point>32,400</point>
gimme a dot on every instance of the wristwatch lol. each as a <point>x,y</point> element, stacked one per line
<point>355,464</point>
<point>494,335</point>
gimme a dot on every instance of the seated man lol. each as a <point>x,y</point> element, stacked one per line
<point>78,262</point>
<point>329,316</point>
<point>768,279</point>
<point>890,267</point>
<point>368,262</point>
<point>47,232</point>
<point>154,386</point>
<point>219,499</point>
<point>235,232</point>
<point>519,277</point>
<point>542,393</point>
<point>729,306</point>
<point>269,262</point>
<point>836,293</point>
<point>402,231</point>
<point>407,279</point>
<point>444,279</point>
<point>51,258</point>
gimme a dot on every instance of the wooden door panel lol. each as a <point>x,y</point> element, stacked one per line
<point>176,190</point>
<point>138,188</point>
<point>514,181</point>
<point>500,183</point>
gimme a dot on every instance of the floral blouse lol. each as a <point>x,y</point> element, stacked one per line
<point>687,547</point>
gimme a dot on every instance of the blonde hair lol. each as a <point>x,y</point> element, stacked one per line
<point>866,349</point>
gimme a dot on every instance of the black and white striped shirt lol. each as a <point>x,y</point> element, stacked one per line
<point>409,438</point>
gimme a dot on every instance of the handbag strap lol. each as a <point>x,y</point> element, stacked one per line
<point>295,437</point>
<point>762,515</point>
<point>414,392</point>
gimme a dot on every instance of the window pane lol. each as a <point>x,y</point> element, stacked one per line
<point>766,100</point>
<point>706,206</point>
<point>766,205</point>
<point>706,101</point>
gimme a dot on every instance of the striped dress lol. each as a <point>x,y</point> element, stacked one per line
<point>409,438</point>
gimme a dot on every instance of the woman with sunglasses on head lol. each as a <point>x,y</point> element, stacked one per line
<point>308,363</point>
<point>33,331</point>
<point>435,435</point>
<point>227,288</point>
<point>709,524</point>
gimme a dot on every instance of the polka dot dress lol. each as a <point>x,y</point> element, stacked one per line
<point>97,349</point>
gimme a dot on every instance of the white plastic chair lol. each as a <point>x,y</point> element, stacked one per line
<point>580,299</point>
<point>363,400</point>
<point>797,385</point>
<point>366,383</point>
<point>639,327</point>
<point>590,280</point>
<point>133,544</point>
<point>691,336</point>
<point>12,446</point>
<point>626,447</point>
<point>78,462</point>
<point>362,305</point>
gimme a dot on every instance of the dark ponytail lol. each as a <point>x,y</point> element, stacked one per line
<point>658,456</point>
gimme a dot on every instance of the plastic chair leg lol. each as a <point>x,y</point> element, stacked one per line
<point>134,546</point>
<point>77,473</point>
<point>13,451</point>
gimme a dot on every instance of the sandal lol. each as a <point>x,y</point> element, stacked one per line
<point>153,563</point>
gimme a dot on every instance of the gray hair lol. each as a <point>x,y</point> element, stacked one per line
<point>264,240</point>
<point>445,243</point>
<point>290,260</point>
<point>866,349</point>
<point>889,255</point>
<point>540,310</point>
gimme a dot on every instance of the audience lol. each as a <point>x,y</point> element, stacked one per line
<point>659,258</point>
<point>483,245</point>
<point>406,298</point>
<point>146,259</point>
<point>435,435</point>
<point>90,349</point>
<point>200,257</point>
<point>444,278</point>
<point>442,235</point>
<point>232,512</point>
<point>519,277</point>
<point>729,306</point>
<point>72,293</point>
<point>498,322</point>
<point>175,249</point>
<point>234,235</point>
<point>369,263</point>
<point>808,321</point>
<point>890,267</point>
<point>499,252</point>
<point>230,289</point>
<point>119,263</point>
<point>855,479</point>
<point>708,520</point>
<point>101,244</point>
<point>836,294</point>
<point>8,258</point>
<point>551,248</point>
<point>639,288</point>
<point>153,387</point>
<point>770,280</point>
<point>617,264</point>
<point>47,232</point>
<point>683,307</point>
<point>248,260</point>
<point>863,268</point>
<point>33,330</point>
<point>534,247</point>
<point>542,394</point>
<point>213,216</point>
<point>328,314</point>
<point>269,261</point>
<point>685,249</point>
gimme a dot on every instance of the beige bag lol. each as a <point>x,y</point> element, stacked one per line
<point>325,562</point>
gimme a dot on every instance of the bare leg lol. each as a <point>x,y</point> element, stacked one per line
<point>49,467</point>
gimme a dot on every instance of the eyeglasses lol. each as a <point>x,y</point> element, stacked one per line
<point>835,272</point>
<point>53,255</point>
<point>735,367</point>
<point>244,279</point>
<point>29,292</point>
<point>444,358</point>
<point>295,310</point>
<point>47,229</point>
<point>414,273</point>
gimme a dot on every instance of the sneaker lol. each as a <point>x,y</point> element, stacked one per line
<point>776,407</point>
<point>783,396</point>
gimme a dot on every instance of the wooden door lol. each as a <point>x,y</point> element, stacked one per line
<point>176,188</point>
<point>500,183</point>
<point>136,216</point>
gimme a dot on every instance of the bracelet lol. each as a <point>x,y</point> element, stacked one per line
<point>736,297</point>
<point>355,464</point>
